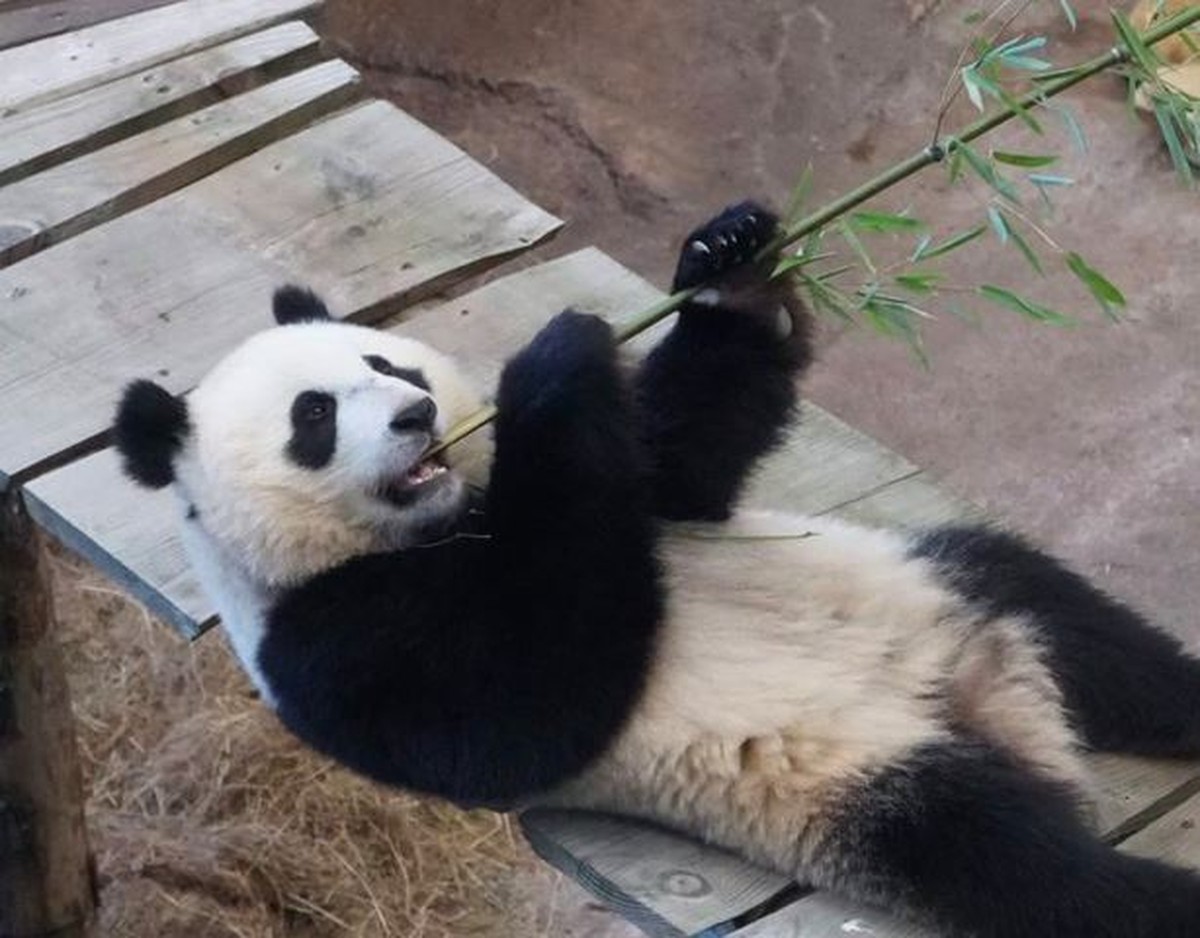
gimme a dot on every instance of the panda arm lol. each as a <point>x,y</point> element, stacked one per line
<point>484,670</point>
<point>718,392</point>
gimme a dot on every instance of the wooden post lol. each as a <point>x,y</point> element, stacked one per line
<point>45,876</point>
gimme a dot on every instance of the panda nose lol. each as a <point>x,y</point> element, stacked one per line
<point>416,417</point>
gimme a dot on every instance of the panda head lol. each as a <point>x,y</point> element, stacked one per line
<point>305,446</point>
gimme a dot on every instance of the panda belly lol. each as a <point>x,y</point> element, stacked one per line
<point>798,657</point>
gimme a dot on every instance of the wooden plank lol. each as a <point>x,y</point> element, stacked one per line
<point>823,464</point>
<point>42,71</point>
<point>61,202</point>
<point>40,137</point>
<point>24,22</point>
<point>128,533</point>
<point>912,501</point>
<point>824,915</point>
<point>1132,792</point>
<point>669,885</point>
<point>1174,838</point>
<point>369,207</point>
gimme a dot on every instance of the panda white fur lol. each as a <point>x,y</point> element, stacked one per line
<point>895,717</point>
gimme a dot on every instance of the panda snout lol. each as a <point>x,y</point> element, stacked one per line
<point>417,417</point>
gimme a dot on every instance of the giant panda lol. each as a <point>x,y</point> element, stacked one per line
<point>584,618</point>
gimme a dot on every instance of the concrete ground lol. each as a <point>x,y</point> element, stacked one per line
<point>635,120</point>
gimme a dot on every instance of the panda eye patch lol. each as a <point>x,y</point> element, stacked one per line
<point>314,429</point>
<point>413,376</point>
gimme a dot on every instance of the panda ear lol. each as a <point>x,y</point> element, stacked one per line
<point>150,428</point>
<point>298,304</point>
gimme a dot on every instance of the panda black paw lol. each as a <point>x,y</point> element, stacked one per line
<point>724,244</point>
<point>570,368</point>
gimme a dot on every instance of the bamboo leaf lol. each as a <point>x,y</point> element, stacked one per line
<point>1050,181</point>
<point>1069,13</point>
<point>883,222</point>
<point>800,194</point>
<point>970,79</point>
<point>949,245</point>
<point>1142,54</point>
<point>1025,160</point>
<point>1107,295</point>
<point>919,281</point>
<point>1023,246</point>
<point>894,317</point>
<point>1025,307</point>
<point>856,244</point>
<point>790,262</point>
<point>828,275</point>
<point>1170,133</point>
<point>1074,128</point>
<point>994,89</point>
<point>988,173</point>
<point>827,299</point>
<point>999,224</point>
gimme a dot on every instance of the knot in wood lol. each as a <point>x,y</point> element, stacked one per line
<point>683,883</point>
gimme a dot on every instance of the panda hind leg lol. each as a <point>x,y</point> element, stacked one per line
<point>964,837</point>
<point>1127,685</point>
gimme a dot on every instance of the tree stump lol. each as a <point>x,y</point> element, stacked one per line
<point>45,875</point>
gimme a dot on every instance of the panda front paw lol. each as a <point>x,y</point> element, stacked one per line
<point>724,244</point>
<point>568,368</point>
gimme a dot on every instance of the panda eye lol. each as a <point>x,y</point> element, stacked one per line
<point>413,376</point>
<point>313,407</point>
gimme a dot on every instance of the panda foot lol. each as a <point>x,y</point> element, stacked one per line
<point>724,243</point>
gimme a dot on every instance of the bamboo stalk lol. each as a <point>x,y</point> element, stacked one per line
<point>934,153</point>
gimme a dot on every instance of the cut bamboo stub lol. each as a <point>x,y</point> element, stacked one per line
<point>934,153</point>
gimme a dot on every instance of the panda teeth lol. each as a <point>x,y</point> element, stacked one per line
<point>424,471</point>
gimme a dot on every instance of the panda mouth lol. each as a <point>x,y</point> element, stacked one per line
<point>404,489</point>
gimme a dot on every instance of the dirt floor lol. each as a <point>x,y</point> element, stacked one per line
<point>634,120</point>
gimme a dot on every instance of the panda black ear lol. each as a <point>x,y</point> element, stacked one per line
<point>150,428</point>
<point>298,304</point>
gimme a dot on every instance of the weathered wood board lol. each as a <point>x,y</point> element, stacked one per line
<point>668,885</point>
<point>128,533</point>
<point>369,207</point>
<point>65,200</point>
<point>42,71</point>
<point>40,137</point>
<point>823,915</point>
<point>1173,838</point>
<point>24,22</point>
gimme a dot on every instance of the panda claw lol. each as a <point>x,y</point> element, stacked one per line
<point>726,242</point>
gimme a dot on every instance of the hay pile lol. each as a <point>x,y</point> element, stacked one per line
<point>208,821</point>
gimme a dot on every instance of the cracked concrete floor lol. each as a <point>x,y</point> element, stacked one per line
<point>635,120</point>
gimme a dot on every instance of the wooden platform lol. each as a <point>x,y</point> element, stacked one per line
<point>161,173</point>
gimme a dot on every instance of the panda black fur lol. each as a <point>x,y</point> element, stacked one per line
<point>898,718</point>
